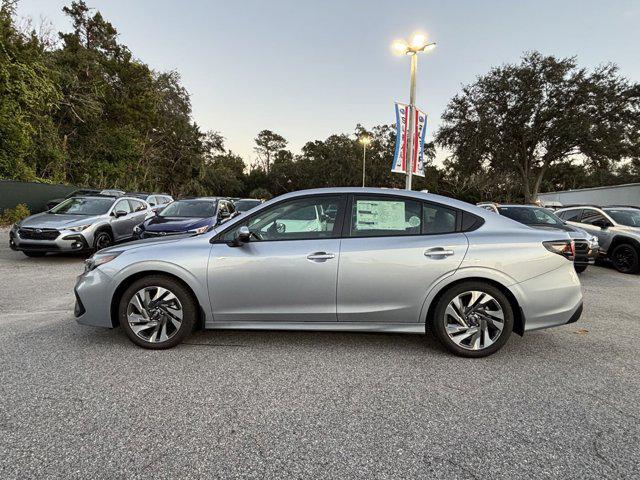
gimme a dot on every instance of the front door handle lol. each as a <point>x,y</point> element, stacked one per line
<point>438,252</point>
<point>320,256</point>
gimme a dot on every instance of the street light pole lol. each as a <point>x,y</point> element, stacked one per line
<point>364,140</point>
<point>411,113</point>
<point>418,44</point>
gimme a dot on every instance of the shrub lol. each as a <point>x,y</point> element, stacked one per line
<point>12,215</point>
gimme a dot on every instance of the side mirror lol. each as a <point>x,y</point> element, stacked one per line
<point>244,234</point>
<point>152,204</point>
<point>603,224</point>
<point>224,215</point>
<point>120,213</point>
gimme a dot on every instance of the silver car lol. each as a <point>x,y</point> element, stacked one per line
<point>341,259</point>
<point>617,229</point>
<point>79,224</point>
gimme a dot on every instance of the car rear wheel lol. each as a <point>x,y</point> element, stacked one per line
<point>580,268</point>
<point>102,239</point>
<point>625,258</point>
<point>473,319</point>
<point>157,312</point>
<point>35,254</point>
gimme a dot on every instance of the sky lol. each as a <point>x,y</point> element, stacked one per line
<point>307,69</point>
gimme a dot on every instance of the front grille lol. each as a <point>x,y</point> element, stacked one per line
<point>582,247</point>
<point>38,233</point>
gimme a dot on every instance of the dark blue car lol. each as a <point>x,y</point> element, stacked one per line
<point>196,215</point>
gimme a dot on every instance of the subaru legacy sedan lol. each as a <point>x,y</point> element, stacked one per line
<point>341,259</point>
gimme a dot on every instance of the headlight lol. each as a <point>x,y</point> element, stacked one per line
<point>97,260</point>
<point>79,228</point>
<point>200,230</point>
<point>593,243</point>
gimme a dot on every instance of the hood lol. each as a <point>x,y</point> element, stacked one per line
<point>143,243</point>
<point>175,224</point>
<point>59,221</point>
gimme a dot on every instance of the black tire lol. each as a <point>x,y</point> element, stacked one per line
<point>184,296</point>
<point>439,319</point>
<point>34,254</point>
<point>102,239</point>
<point>625,258</point>
<point>580,268</point>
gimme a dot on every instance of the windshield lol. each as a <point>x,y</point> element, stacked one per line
<point>190,209</point>
<point>84,206</point>
<point>628,217</point>
<point>531,216</point>
<point>244,205</point>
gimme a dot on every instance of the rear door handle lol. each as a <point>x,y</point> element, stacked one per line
<point>438,252</point>
<point>320,256</point>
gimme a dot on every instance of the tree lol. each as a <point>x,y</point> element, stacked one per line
<point>268,144</point>
<point>520,120</point>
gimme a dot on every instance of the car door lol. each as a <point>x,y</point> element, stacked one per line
<point>121,226</point>
<point>286,272</point>
<point>139,213</point>
<point>394,249</point>
<point>594,222</point>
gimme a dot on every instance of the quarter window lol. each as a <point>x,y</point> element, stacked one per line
<point>301,219</point>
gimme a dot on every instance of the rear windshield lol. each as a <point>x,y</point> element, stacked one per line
<point>531,216</point>
<point>190,209</point>
<point>84,206</point>
<point>628,217</point>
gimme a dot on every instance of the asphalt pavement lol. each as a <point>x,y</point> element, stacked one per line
<point>81,402</point>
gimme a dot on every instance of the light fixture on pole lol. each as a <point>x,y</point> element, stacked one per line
<point>418,44</point>
<point>364,140</point>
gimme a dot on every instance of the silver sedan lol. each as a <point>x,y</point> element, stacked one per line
<point>341,259</point>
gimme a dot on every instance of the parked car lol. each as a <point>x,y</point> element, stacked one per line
<point>78,224</point>
<point>157,201</point>
<point>76,193</point>
<point>617,229</point>
<point>585,244</point>
<point>409,262</point>
<point>245,204</point>
<point>195,215</point>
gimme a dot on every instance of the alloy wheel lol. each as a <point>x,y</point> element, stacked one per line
<point>474,320</point>
<point>103,240</point>
<point>154,314</point>
<point>624,258</point>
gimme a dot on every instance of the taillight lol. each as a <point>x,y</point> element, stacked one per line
<point>566,248</point>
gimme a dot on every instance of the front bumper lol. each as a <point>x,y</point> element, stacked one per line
<point>66,241</point>
<point>94,291</point>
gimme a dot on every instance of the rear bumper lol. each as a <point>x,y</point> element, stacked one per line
<point>551,299</point>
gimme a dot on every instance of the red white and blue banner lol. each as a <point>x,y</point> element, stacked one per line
<point>401,157</point>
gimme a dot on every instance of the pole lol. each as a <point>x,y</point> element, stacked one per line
<point>412,106</point>
<point>364,160</point>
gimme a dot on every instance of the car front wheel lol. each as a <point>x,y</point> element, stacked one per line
<point>625,258</point>
<point>102,239</point>
<point>473,319</point>
<point>580,268</point>
<point>157,312</point>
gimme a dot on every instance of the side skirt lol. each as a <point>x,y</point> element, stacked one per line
<point>321,326</point>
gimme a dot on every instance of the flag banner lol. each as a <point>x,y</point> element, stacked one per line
<point>402,124</point>
<point>417,164</point>
<point>402,155</point>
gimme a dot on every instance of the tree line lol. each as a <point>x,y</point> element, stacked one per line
<point>80,108</point>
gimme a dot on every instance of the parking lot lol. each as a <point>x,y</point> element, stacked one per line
<point>79,402</point>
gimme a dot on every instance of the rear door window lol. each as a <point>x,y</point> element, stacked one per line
<point>571,215</point>
<point>380,216</point>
